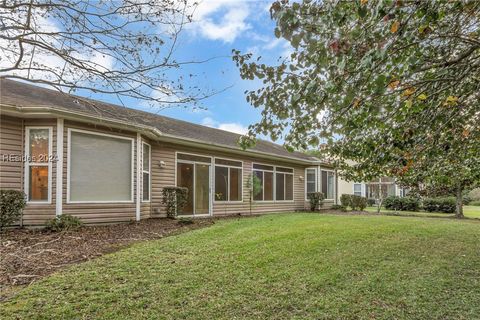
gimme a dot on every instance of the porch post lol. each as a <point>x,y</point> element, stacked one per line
<point>59,168</point>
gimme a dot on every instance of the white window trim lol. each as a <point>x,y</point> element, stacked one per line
<point>306,180</point>
<point>334,183</point>
<point>228,184</point>
<point>275,183</point>
<point>361,188</point>
<point>149,172</point>
<point>28,164</point>
<point>69,146</point>
<point>211,185</point>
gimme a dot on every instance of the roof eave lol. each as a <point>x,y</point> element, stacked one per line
<point>149,131</point>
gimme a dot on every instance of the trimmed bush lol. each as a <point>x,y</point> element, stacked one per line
<point>358,202</point>
<point>12,203</point>
<point>63,222</point>
<point>371,202</point>
<point>442,205</point>
<point>316,200</point>
<point>402,204</point>
<point>175,199</point>
<point>353,201</point>
<point>475,203</point>
<point>345,200</point>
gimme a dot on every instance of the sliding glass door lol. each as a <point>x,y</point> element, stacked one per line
<point>193,173</point>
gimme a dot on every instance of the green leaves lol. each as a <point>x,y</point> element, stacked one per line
<point>390,78</point>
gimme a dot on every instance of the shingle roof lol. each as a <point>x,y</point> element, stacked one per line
<point>21,94</point>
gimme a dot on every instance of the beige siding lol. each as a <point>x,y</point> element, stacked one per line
<point>11,144</point>
<point>166,177</point>
<point>96,213</point>
<point>12,141</point>
<point>11,176</point>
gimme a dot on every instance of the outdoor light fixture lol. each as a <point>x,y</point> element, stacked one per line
<point>162,164</point>
<point>301,178</point>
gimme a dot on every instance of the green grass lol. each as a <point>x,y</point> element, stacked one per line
<point>468,211</point>
<point>283,266</point>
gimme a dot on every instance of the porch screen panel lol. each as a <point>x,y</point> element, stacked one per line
<point>100,168</point>
<point>328,178</point>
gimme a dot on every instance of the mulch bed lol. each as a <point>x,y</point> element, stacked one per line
<point>28,255</point>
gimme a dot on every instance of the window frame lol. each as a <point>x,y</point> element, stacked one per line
<point>306,181</point>
<point>334,183</point>
<point>228,182</point>
<point>29,164</point>
<point>149,172</point>
<point>274,172</point>
<point>211,177</point>
<point>361,189</point>
<point>69,167</point>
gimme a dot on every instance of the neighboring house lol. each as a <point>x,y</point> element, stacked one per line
<point>385,186</point>
<point>106,163</point>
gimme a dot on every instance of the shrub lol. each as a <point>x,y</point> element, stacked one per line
<point>358,202</point>
<point>12,203</point>
<point>402,204</point>
<point>338,207</point>
<point>175,199</point>
<point>345,200</point>
<point>315,199</point>
<point>475,203</point>
<point>63,222</point>
<point>443,205</point>
<point>371,202</point>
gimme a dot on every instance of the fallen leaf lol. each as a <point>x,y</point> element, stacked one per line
<point>422,97</point>
<point>392,85</point>
<point>395,27</point>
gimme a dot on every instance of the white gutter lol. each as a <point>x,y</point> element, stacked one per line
<point>149,131</point>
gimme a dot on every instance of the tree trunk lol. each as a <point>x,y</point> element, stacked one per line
<point>459,207</point>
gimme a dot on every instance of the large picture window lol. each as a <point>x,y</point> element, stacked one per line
<point>328,184</point>
<point>272,183</point>
<point>228,180</point>
<point>100,167</point>
<point>38,165</point>
<point>146,168</point>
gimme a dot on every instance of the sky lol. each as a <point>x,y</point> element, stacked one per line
<point>220,26</point>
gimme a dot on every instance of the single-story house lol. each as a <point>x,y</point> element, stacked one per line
<point>106,163</point>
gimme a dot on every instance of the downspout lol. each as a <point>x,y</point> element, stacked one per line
<point>137,180</point>
<point>24,164</point>
<point>59,173</point>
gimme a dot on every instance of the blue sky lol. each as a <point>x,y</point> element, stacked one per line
<point>219,27</point>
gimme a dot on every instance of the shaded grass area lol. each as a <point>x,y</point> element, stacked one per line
<point>472,212</point>
<point>284,266</point>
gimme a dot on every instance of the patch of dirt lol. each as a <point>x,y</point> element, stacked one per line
<point>27,255</point>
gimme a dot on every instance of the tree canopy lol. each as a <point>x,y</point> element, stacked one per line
<point>124,48</point>
<point>390,87</point>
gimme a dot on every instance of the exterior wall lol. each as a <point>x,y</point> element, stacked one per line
<point>95,213</point>
<point>12,141</point>
<point>165,176</point>
<point>345,187</point>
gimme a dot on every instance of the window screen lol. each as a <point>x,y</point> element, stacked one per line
<point>328,184</point>
<point>100,168</point>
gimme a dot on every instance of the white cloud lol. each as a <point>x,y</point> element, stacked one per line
<point>222,20</point>
<point>232,127</point>
<point>45,64</point>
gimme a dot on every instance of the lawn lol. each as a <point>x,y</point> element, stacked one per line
<point>282,266</point>
<point>468,211</point>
